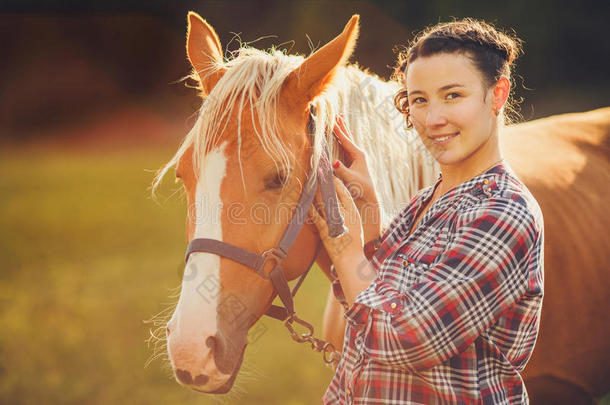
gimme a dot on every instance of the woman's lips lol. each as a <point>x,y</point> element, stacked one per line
<point>442,139</point>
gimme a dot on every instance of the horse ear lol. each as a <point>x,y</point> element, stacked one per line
<point>204,51</point>
<point>309,79</point>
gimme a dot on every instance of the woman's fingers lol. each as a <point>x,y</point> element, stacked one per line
<point>344,137</point>
<point>344,195</point>
<point>342,172</point>
<point>318,204</point>
<point>318,221</point>
<point>352,238</point>
<point>345,200</point>
<point>356,176</point>
<point>351,179</point>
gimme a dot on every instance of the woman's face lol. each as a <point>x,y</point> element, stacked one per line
<point>451,108</point>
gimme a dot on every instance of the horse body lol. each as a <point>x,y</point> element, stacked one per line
<point>206,349</point>
<point>565,162</point>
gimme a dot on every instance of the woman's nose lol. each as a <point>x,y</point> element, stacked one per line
<point>436,117</point>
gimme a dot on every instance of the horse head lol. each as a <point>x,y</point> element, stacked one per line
<point>244,166</point>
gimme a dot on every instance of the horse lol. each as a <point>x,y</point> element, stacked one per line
<point>247,162</point>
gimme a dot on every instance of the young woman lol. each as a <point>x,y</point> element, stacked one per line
<point>446,309</point>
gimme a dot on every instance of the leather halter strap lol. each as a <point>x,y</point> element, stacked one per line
<point>322,177</point>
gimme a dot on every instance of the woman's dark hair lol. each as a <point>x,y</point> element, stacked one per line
<point>491,51</point>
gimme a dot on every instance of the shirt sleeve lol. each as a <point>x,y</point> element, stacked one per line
<point>481,273</point>
<point>370,249</point>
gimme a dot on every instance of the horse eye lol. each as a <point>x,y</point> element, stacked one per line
<point>278,181</point>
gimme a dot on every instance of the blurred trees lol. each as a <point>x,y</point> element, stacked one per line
<point>68,60</point>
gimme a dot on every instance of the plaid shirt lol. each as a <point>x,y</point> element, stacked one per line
<point>453,313</point>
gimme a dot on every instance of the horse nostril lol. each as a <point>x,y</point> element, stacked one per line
<point>184,376</point>
<point>211,343</point>
<point>201,379</point>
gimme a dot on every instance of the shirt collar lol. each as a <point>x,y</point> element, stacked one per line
<point>483,183</point>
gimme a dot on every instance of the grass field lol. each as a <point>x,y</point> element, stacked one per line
<point>87,257</point>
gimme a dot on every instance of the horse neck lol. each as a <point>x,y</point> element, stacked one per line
<point>399,163</point>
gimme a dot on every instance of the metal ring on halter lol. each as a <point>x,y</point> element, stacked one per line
<point>271,254</point>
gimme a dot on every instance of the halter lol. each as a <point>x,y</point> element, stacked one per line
<point>324,178</point>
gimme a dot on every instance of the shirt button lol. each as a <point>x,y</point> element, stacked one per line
<point>485,181</point>
<point>393,305</point>
<point>348,392</point>
<point>405,263</point>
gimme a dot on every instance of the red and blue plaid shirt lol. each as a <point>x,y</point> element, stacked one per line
<point>453,313</point>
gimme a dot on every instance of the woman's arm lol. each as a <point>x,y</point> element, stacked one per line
<point>333,323</point>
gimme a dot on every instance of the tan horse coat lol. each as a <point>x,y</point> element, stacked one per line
<point>565,162</point>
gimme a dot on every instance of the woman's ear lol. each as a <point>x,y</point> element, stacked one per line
<point>501,92</point>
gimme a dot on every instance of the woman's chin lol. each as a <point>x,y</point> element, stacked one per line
<point>447,158</point>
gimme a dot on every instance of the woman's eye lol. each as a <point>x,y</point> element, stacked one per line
<point>452,96</point>
<point>418,100</point>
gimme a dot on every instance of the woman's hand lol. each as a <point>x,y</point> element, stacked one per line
<point>359,183</point>
<point>349,246</point>
<point>346,251</point>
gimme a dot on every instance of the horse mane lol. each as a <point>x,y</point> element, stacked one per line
<point>253,80</point>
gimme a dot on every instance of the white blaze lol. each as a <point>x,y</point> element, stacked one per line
<point>195,315</point>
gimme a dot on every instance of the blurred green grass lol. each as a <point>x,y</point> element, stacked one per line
<point>87,257</point>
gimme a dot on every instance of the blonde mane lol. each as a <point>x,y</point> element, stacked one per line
<point>398,161</point>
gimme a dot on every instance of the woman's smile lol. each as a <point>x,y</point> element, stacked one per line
<point>442,139</point>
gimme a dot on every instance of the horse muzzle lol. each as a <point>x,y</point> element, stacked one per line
<point>208,365</point>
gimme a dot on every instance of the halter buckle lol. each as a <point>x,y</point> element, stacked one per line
<point>271,254</point>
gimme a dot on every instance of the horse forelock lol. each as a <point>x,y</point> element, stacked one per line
<point>252,82</point>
